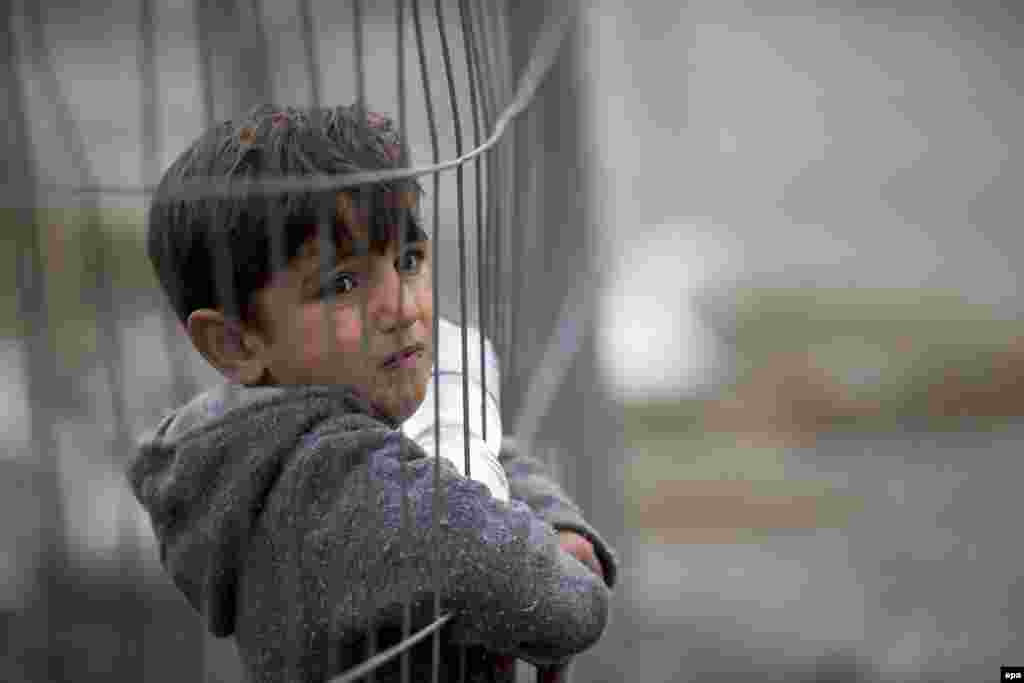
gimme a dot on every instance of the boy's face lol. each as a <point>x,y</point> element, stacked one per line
<point>312,338</point>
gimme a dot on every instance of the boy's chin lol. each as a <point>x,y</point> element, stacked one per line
<point>402,409</point>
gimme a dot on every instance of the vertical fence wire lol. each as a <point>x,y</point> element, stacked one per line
<point>362,249</point>
<point>460,221</point>
<point>22,193</point>
<point>181,387</point>
<point>428,105</point>
<point>493,21</point>
<point>406,523</point>
<point>205,65</point>
<point>469,48</point>
<point>489,247</point>
<point>309,43</point>
<point>206,13</point>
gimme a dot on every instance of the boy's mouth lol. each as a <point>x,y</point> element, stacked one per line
<point>406,358</point>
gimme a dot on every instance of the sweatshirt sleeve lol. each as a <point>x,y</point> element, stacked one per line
<point>531,481</point>
<point>498,565</point>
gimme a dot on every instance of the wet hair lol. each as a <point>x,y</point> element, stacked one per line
<point>191,241</point>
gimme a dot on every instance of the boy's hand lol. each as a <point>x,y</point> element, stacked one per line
<point>582,549</point>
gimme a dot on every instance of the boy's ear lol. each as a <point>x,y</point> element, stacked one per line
<point>225,345</point>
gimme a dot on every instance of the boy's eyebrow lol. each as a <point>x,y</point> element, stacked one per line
<point>351,224</point>
<point>314,273</point>
<point>345,251</point>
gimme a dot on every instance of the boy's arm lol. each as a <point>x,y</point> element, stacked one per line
<point>502,572</point>
<point>531,481</point>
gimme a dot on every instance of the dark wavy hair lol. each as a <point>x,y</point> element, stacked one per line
<point>215,252</point>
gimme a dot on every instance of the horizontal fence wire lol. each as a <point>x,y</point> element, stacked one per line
<point>544,55</point>
<point>385,656</point>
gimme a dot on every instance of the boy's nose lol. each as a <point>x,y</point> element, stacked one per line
<point>384,306</point>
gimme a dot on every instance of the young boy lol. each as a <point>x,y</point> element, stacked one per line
<point>277,498</point>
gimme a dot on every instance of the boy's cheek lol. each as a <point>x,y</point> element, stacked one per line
<point>316,322</point>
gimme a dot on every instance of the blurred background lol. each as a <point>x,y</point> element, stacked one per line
<point>791,394</point>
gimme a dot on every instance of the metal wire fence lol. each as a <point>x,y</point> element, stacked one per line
<point>457,75</point>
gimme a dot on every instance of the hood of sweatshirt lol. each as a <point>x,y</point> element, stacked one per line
<point>204,472</point>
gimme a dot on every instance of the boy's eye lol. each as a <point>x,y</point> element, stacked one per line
<point>411,261</point>
<point>338,285</point>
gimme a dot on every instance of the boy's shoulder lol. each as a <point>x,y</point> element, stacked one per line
<point>266,411</point>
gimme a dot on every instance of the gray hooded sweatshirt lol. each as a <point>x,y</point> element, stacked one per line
<point>279,515</point>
